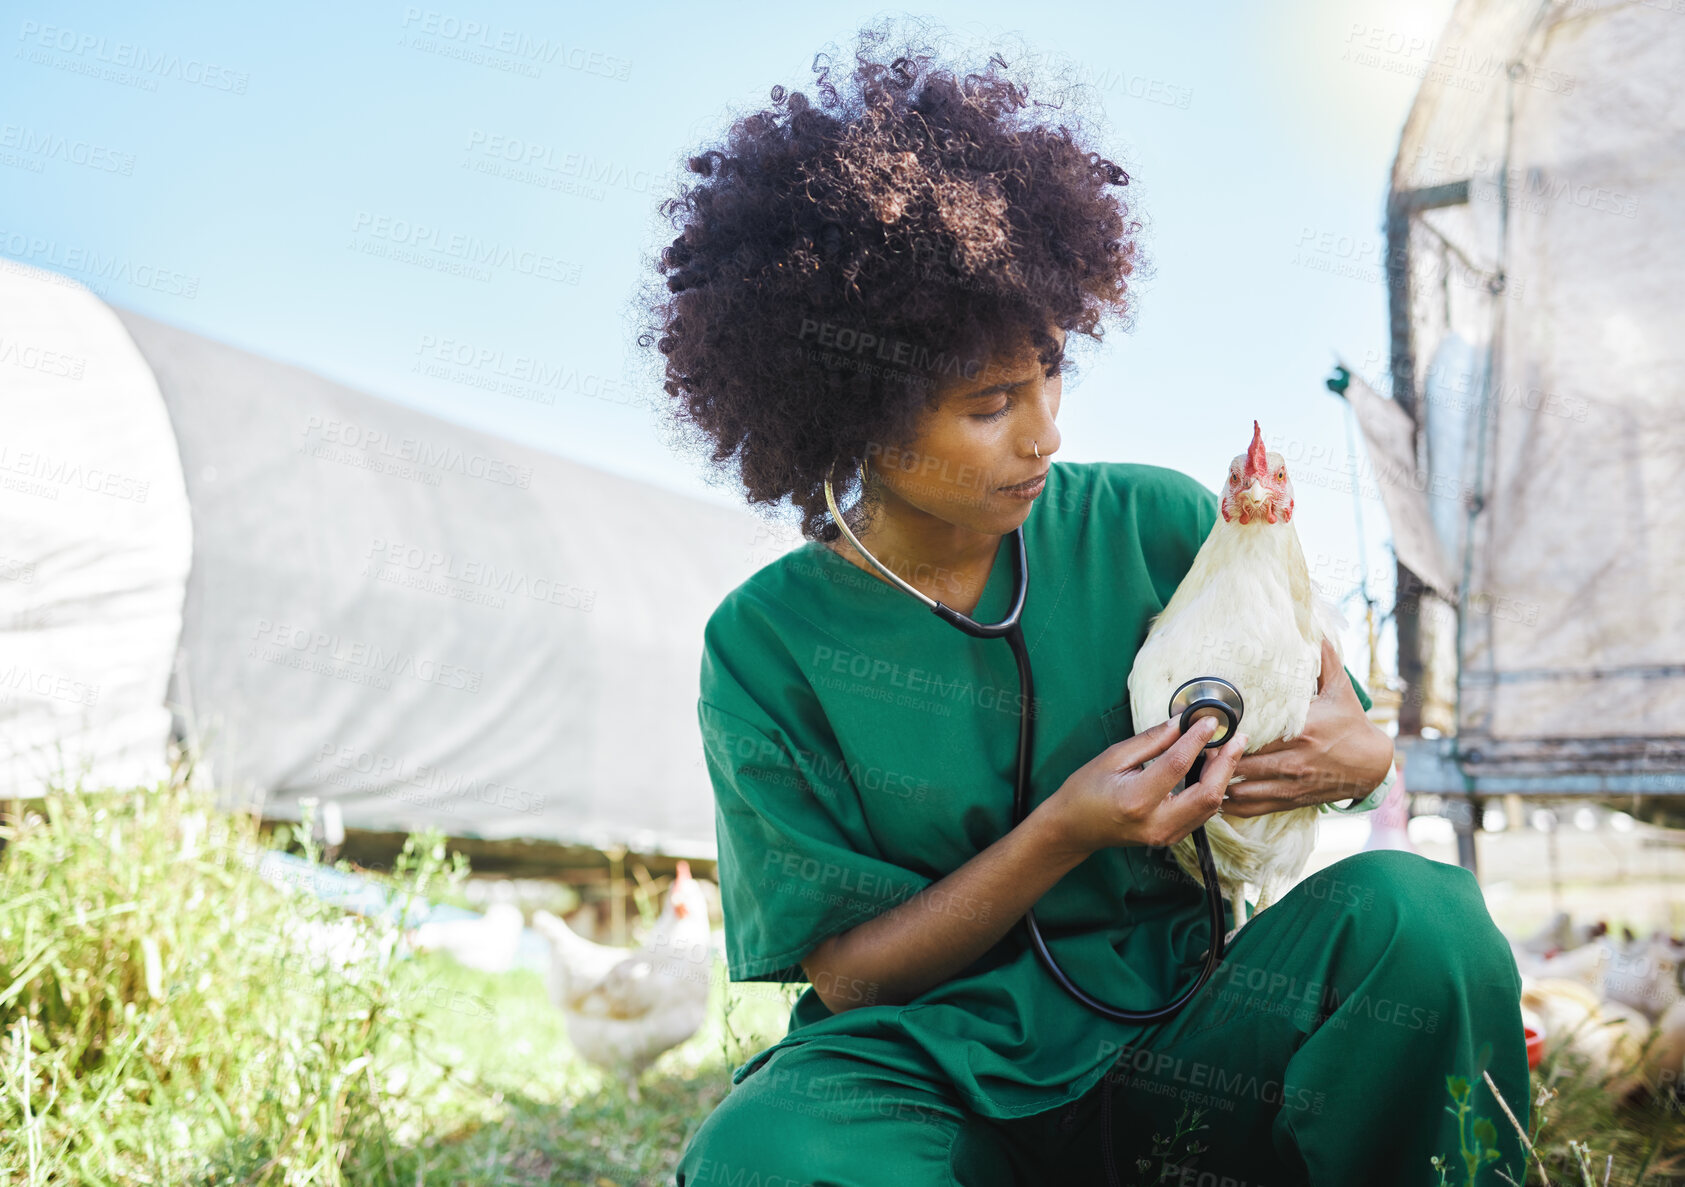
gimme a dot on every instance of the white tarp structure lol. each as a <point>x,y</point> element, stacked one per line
<point>1535,219</point>
<point>95,541</point>
<point>426,624</point>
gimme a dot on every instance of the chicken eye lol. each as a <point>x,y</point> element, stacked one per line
<point>1280,474</point>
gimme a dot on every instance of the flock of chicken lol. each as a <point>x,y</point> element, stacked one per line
<point>1616,1005</point>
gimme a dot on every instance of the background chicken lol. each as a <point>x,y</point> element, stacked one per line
<point>624,1007</point>
<point>1615,1004</point>
<point>1246,612</point>
<point>1608,1037</point>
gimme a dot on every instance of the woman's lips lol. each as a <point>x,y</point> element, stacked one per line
<point>1026,490</point>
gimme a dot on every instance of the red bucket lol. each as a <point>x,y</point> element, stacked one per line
<point>1535,1046</point>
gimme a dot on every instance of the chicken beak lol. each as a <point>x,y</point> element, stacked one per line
<point>1257,494</point>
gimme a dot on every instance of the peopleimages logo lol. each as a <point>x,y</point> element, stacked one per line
<point>911,356</point>
<point>523,376</point>
<point>334,654</point>
<point>445,457</point>
<point>51,474</point>
<point>28,357</point>
<point>138,58</point>
<point>385,235</point>
<point>920,683</point>
<point>69,257</point>
<point>39,146</point>
<point>530,160</point>
<point>53,686</point>
<point>451,575</point>
<point>472,40</point>
<point>445,790</point>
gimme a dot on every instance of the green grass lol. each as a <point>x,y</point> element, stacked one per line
<point>1581,1133</point>
<point>162,1021</point>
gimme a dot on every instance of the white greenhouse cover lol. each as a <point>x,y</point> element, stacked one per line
<point>424,623</point>
<point>95,540</point>
<point>1549,344</point>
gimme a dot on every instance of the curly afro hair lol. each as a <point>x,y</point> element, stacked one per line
<point>840,261</point>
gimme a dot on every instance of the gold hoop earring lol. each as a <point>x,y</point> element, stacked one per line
<point>831,496</point>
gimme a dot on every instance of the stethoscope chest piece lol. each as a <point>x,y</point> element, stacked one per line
<point>1207,696</point>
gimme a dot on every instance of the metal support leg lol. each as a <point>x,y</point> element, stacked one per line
<point>1466,820</point>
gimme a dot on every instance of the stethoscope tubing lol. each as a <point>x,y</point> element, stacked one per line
<point>1011,629</point>
<point>1014,634</point>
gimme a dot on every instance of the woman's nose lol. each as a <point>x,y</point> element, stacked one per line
<point>1041,434</point>
<point>1042,440</point>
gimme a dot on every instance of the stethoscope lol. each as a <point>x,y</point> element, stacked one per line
<point>1200,697</point>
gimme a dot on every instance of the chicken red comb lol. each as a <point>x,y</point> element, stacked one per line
<point>1256,463</point>
<point>681,878</point>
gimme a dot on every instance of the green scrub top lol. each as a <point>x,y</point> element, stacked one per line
<point>861,749</point>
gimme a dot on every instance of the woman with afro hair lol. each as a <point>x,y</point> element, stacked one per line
<point>876,290</point>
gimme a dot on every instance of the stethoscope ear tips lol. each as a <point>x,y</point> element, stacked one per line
<point>1209,696</point>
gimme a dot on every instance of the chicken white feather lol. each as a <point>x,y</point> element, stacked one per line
<point>624,1006</point>
<point>1246,611</point>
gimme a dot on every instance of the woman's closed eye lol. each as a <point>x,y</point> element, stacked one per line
<point>1058,367</point>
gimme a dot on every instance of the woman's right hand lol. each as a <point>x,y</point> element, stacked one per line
<point>1114,800</point>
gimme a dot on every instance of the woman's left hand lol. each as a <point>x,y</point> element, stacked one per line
<point>1339,755</point>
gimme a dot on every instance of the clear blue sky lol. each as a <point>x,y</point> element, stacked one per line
<point>249,172</point>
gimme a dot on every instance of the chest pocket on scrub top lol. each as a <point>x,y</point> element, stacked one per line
<point>1154,865</point>
<point>1118,723</point>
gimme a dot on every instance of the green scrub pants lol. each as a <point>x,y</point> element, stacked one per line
<point>1318,1053</point>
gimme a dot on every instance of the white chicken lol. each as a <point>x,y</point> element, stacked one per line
<point>1618,1005</point>
<point>1641,974</point>
<point>1560,934</point>
<point>624,1007</point>
<point>1246,612</point>
<point>1608,1036</point>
